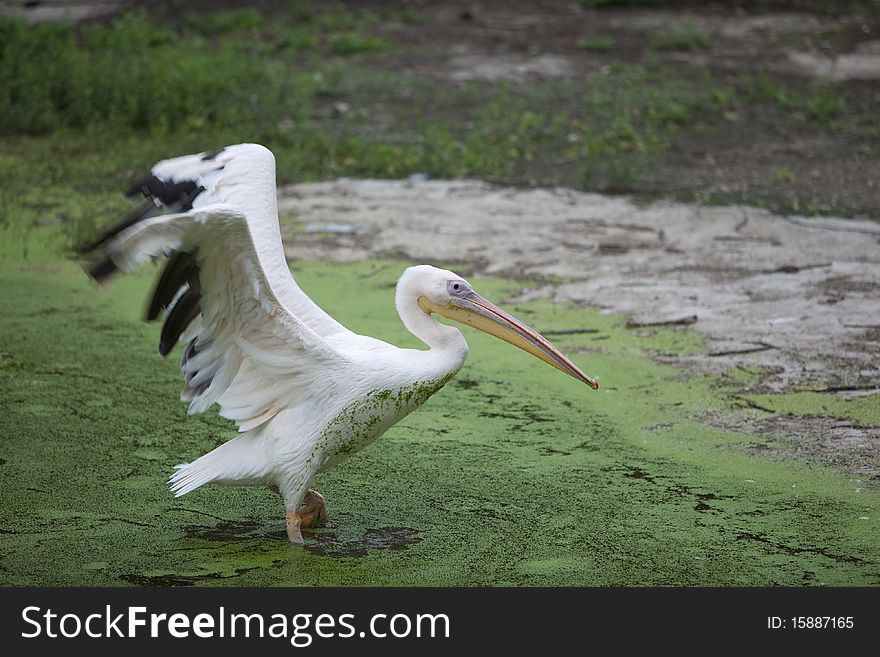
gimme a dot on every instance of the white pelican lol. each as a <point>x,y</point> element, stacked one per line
<point>305,391</point>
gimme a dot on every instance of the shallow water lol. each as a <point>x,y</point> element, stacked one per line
<point>513,474</point>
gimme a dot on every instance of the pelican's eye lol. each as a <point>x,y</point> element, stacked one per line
<point>458,288</point>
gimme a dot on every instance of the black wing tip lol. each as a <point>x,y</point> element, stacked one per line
<point>177,195</point>
<point>136,214</point>
<point>102,270</point>
<point>180,269</point>
<point>185,310</point>
<point>212,155</point>
<point>140,186</point>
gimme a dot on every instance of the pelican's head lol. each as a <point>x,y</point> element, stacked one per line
<point>448,294</point>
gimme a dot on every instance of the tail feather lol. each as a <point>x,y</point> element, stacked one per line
<point>240,461</point>
<point>190,476</point>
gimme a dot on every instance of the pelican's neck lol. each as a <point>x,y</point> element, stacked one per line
<point>440,337</point>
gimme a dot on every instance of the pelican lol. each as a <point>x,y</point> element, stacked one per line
<point>305,392</point>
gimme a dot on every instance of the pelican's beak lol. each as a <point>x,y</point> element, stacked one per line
<point>474,310</point>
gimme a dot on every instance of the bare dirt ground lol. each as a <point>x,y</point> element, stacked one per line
<point>751,156</point>
<point>735,161</point>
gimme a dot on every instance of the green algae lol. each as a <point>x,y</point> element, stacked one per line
<point>864,410</point>
<point>361,422</point>
<point>742,376</point>
<point>512,474</point>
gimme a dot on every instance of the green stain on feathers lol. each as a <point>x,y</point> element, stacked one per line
<point>361,422</point>
<point>513,474</point>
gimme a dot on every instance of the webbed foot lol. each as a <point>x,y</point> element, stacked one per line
<point>312,513</point>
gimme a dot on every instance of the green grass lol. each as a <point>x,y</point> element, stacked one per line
<point>134,75</point>
<point>625,120</point>
<point>864,410</point>
<point>597,43</point>
<point>819,103</point>
<point>332,16</point>
<point>297,39</point>
<point>602,4</point>
<point>408,15</point>
<point>610,135</point>
<point>131,92</point>
<point>351,42</point>
<point>223,22</point>
<point>785,175</point>
<point>685,37</point>
<point>870,7</point>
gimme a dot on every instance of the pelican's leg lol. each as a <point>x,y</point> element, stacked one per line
<point>313,512</point>
<point>293,522</point>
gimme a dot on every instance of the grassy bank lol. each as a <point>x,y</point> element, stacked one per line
<point>84,109</point>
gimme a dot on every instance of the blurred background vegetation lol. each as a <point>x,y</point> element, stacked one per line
<point>682,108</point>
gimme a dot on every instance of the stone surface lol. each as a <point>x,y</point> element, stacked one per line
<point>797,296</point>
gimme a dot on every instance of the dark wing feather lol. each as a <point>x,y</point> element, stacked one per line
<point>234,188</point>
<point>247,351</point>
<point>180,270</point>
<point>184,311</point>
<point>177,195</point>
<point>142,210</point>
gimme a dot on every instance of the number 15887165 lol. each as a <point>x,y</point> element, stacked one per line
<point>810,623</point>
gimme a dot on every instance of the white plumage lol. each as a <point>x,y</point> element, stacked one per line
<point>305,391</point>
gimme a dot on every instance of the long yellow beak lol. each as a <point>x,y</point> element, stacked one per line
<point>474,310</point>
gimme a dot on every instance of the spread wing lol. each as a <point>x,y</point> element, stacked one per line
<point>254,342</point>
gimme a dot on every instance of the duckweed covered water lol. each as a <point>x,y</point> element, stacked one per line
<point>512,474</point>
